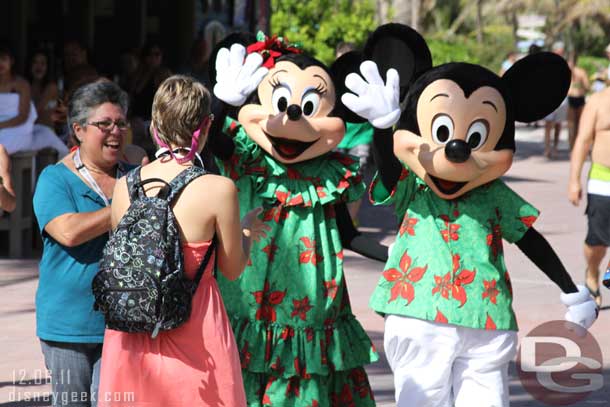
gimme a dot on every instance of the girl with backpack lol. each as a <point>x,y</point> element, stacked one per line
<point>196,363</point>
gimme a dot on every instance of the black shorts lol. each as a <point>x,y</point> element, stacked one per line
<point>598,216</point>
<point>576,101</point>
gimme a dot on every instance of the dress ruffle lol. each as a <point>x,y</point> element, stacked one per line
<point>288,351</point>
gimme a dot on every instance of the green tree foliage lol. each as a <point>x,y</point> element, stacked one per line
<point>319,25</point>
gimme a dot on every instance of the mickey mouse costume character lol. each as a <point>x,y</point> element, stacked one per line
<point>299,342</point>
<point>450,330</point>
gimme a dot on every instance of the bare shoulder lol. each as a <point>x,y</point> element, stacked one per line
<point>218,185</point>
<point>21,84</point>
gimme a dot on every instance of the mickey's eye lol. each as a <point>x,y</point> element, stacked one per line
<point>477,134</point>
<point>310,103</point>
<point>279,99</point>
<point>442,129</point>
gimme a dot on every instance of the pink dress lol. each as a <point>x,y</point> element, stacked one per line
<point>196,364</point>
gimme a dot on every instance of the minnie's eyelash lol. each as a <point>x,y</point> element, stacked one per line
<point>275,82</point>
<point>320,89</point>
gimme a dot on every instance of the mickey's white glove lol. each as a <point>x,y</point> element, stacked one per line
<point>373,100</point>
<point>236,79</point>
<point>582,309</point>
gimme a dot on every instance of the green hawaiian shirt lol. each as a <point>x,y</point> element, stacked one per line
<point>447,264</point>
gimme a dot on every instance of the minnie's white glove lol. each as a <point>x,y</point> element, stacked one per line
<point>582,309</point>
<point>236,79</point>
<point>371,98</point>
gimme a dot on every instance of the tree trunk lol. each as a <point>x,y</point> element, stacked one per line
<point>480,21</point>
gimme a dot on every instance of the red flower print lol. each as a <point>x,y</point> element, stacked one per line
<point>294,174</point>
<point>320,191</point>
<point>287,333</point>
<point>361,386</point>
<point>340,254</point>
<point>330,289</point>
<point>266,400</point>
<point>268,300</point>
<point>309,334</point>
<point>246,356</point>
<point>490,290</point>
<point>343,159</point>
<point>345,399</point>
<point>528,221</point>
<point>276,214</point>
<point>490,325</point>
<point>454,282</point>
<point>314,403</point>
<point>494,239</point>
<point>277,367</point>
<point>451,231</point>
<point>403,278</point>
<point>440,317</point>
<point>282,197</point>
<point>443,285</point>
<point>309,255</point>
<point>403,174</point>
<point>301,308</point>
<point>343,184</point>
<point>408,225</point>
<point>270,250</point>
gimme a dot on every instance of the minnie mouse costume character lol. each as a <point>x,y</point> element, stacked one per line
<point>299,342</point>
<point>450,330</point>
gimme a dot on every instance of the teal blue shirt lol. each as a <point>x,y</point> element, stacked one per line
<point>64,300</point>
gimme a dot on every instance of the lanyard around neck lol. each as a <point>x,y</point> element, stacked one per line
<point>78,163</point>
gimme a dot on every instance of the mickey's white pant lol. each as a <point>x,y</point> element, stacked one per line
<point>441,365</point>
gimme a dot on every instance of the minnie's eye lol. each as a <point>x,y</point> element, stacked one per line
<point>477,134</point>
<point>310,103</point>
<point>279,99</point>
<point>442,129</point>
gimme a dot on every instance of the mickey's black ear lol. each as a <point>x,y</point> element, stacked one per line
<point>400,47</point>
<point>538,84</point>
<point>343,66</point>
<point>242,38</point>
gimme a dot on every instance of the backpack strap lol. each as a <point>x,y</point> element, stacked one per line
<point>204,263</point>
<point>183,179</point>
<point>133,179</point>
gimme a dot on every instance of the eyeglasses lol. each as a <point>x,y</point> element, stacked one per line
<point>107,125</point>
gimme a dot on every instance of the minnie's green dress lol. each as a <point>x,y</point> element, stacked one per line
<point>300,344</point>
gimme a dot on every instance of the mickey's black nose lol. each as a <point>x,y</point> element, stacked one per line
<point>457,151</point>
<point>294,112</point>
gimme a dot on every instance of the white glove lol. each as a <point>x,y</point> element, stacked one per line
<point>374,101</point>
<point>582,309</point>
<point>236,79</point>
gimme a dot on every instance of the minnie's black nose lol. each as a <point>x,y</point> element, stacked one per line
<point>457,151</point>
<point>294,112</point>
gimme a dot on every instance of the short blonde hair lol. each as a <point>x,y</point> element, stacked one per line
<point>179,106</point>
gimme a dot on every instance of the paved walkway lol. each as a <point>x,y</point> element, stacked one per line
<point>540,181</point>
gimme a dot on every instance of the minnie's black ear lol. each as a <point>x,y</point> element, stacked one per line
<point>343,66</point>
<point>538,84</point>
<point>242,38</point>
<point>400,47</point>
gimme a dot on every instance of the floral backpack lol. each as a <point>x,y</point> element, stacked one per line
<point>141,285</point>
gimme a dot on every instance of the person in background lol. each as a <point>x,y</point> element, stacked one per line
<point>579,86</point>
<point>17,112</point>
<point>129,68</point>
<point>554,120</point>
<point>356,142</point>
<point>76,65</point>
<point>200,355</point>
<point>198,62</point>
<point>7,194</point>
<point>594,136</point>
<point>72,207</point>
<point>151,73</point>
<point>44,95</point>
<point>511,58</point>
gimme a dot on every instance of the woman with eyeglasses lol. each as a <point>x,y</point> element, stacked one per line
<point>72,206</point>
